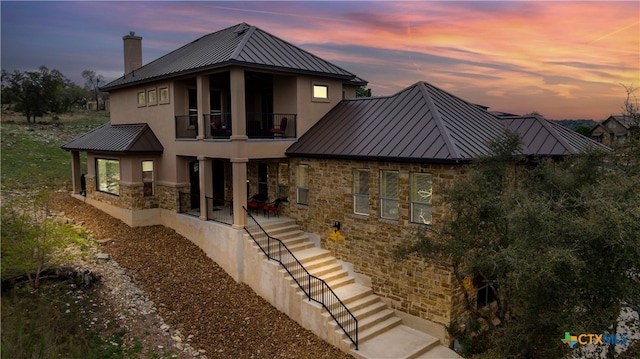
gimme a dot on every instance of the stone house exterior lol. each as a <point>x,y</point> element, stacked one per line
<point>615,129</point>
<point>196,133</point>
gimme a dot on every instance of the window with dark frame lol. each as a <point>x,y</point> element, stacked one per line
<point>361,192</point>
<point>389,194</point>
<point>147,178</point>
<point>302,185</point>
<point>108,176</point>
<point>420,197</point>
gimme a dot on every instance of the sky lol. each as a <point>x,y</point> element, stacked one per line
<point>562,59</point>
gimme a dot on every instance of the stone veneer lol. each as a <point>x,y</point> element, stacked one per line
<point>132,196</point>
<point>424,290</point>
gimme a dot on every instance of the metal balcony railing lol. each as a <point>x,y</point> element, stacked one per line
<point>271,125</point>
<point>219,125</point>
<point>219,210</point>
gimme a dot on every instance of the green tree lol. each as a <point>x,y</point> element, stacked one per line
<point>31,241</point>
<point>363,91</point>
<point>558,244</point>
<point>583,130</point>
<point>34,93</point>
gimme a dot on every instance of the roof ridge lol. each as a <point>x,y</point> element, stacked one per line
<point>556,135</point>
<point>246,33</point>
<point>446,136</point>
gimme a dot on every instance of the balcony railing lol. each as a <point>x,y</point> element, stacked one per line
<point>187,126</point>
<point>219,210</point>
<point>219,125</point>
<point>259,125</point>
<point>271,125</point>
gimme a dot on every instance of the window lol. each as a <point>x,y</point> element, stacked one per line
<point>108,175</point>
<point>302,184</point>
<point>151,97</point>
<point>147,178</point>
<point>486,292</point>
<point>320,92</point>
<point>283,181</point>
<point>420,197</point>
<point>142,98</point>
<point>192,99</point>
<point>389,194</point>
<point>361,192</point>
<point>164,95</point>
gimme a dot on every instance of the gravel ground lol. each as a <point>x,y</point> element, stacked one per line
<point>202,310</point>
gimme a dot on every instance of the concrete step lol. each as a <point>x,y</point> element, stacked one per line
<point>298,246</point>
<point>363,302</point>
<point>368,310</point>
<point>320,262</point>
<point>378,327</point>
<point>373,319</point>
<point>352,292</point>
<point>321,271</point>
<point>311,254</point>
<point>399,342</point>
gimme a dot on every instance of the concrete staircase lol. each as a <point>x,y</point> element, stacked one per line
<point>381,333</point>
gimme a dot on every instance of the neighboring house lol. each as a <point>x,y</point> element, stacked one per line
<point>615,129</point>
<point>240,112</point>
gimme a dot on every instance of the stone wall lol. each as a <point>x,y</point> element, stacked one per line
<point>412,286</point>
<point>168,197</point>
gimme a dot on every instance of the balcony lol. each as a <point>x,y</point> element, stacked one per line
<point>271,125</point>
<point>219,125</point>
<point>259,125</point>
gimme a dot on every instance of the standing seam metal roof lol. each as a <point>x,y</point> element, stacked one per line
<point>423,123</point>
<point>125,138</point>
<point>240,44</point>
<point>419,123</point>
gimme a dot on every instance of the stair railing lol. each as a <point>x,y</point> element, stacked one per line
<point>316,289</point>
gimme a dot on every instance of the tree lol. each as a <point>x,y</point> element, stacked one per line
<point>93,83</point>
<point>362,91</point>
<point>556,243</point>
<point>72,95</point>
<point>583,130</point>
<point>34,93</point>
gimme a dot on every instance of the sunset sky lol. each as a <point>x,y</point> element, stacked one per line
<point>562,59</point>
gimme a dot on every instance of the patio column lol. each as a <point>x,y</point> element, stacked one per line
<point>202,88</point>
<point>204,167</point>
<point>75,171</point>
<point>239,175</point>
<point>238,109</point>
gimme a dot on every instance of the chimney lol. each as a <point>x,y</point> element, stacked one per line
<point>132,52</point>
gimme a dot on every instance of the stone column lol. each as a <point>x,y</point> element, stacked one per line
<point>239,179</point>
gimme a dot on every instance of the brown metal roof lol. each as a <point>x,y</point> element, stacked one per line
<point>241,44</point>
<point>125,138</point>
<point>421,123</point>
<point>545,138</point>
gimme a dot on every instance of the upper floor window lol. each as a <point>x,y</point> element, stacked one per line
<point>389,193</point>
<point>302,184</point>
<point>147,178</point>
<point>108,175</point>
<point>152,98</point>
<point>420,197</point>
<point>142,98</point>
<point>320,92</point>
<point>361,192</point>
<point>164,95</point>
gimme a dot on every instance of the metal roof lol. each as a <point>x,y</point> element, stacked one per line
<point>125,138</point>
<point>546,138</point>
<point>420,123</point>
<point>241,44</point>
<point>423,123</point>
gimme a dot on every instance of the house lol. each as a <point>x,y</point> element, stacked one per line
<point>198,134</point>
<point>615,129</point>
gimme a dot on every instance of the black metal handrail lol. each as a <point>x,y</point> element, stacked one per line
<point>315,288</point>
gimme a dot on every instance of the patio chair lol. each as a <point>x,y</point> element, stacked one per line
<point>271,207</point>
<point>280,130</point>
